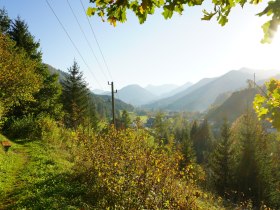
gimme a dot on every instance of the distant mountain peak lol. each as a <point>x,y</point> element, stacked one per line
<point>160,90</point>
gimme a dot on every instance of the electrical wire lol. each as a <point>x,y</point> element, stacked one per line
<point>74,45</point>
<point>85,37</point>
<point>103,58</point>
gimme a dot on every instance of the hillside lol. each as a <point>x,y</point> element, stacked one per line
<point>177,90</point>
<point>61,74</point>
<point>200,96</point>
<point>103,105</point>
<point>238,103</point>
<point>221,99</point>
<point>160,90</point>
<point>203,97</point>
<point>163,103</point>
<point>135,95</point>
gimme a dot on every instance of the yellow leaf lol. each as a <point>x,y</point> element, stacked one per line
<point>141,10</point>
<point>112,21</point>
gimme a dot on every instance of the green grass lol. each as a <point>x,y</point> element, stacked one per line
<point>11,165</point>
<point>33,176</point>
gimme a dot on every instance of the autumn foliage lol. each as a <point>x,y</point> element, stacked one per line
<point>18,78</point>
<point>126,169</point>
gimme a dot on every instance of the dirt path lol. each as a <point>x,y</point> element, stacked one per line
<point>13,165</point>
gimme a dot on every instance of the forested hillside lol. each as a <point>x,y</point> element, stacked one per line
<point>165,102</point>
<point>234,106</point>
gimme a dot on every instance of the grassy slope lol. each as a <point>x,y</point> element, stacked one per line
<point>33,176</point>
<point>11,165</point>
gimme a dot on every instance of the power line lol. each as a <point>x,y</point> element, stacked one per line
<point>72,42</point>
<point>106,78</point>
<point>103,58</point>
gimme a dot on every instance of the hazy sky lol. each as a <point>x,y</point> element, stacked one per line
<point>157,52</point>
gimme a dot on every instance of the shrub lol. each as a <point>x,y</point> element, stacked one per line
<point>124,170</point>
<point>23,128</point>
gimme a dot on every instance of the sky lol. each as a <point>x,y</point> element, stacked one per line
<point>182,49</point>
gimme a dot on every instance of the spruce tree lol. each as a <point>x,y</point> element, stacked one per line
<point>125,119</point>
<point>75,96</point>
<point>247,167</point>
<point>5,21</point>
<point>20,34</point>
<point>161,128</point>
<point>187,147</point>
<point>220,161</point>
<point>193,131</point>
<point>202,141</point>
<point>182,140</point>
<point>253,168</point>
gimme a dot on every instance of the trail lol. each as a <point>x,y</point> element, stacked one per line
<point>16,160</point>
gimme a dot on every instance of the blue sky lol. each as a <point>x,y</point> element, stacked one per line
<point>157,52</point>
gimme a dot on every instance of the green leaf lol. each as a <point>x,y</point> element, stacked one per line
<point>207,15</point>
<point>101,14</point>
<point>91,11</point>
<point>223,20</point>
<point>167,12</point>
<point>266,36</point>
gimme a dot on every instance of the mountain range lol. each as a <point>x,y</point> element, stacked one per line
<point>138,96</point>
<point>201,96</point>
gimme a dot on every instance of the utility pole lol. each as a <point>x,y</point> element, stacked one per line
<point>113,102</point>
<point>254,80</point>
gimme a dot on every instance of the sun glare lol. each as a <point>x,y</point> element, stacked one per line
<point>270,53</point>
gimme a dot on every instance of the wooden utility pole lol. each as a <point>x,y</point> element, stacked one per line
<point>254,80</point>
<point>113,102</point>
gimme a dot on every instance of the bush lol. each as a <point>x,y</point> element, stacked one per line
<point>47,129</point>
<point>2,114</point>
<point>23,128</point>
<point>42,128</point>
<point>124,170</point>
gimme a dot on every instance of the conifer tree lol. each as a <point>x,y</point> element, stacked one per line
<point>221,161</point>
<point>202,141</point>
<point>125,119</point>
<point>75,96</point>
<point>183,140</point>
<point>5,21</point>
<point>161,128</point>
<point>193,131</point>
<point>20,34</point>
<point>247,167</point>
<point>253,169</point>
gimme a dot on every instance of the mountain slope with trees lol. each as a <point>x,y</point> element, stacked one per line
<point>163,103</point>
<point>202,98</point>
<point>237,104</point>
